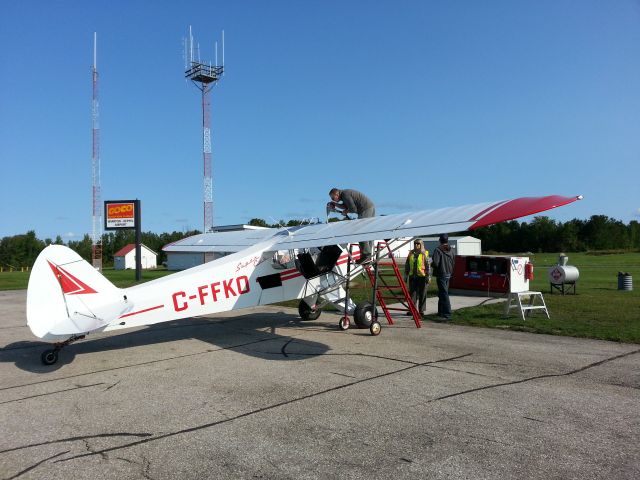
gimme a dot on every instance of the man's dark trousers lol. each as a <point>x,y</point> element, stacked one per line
<point>444,305</point>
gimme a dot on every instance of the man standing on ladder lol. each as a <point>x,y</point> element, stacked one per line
<point>352,201</point>
<point>416,272</point>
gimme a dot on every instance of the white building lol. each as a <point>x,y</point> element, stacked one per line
<point>125,258</point>
<point>197,249</point>
<point>460,245</point>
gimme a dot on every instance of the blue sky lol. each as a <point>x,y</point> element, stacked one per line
<point>420,104</point>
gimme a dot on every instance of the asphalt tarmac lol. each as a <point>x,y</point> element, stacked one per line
<point>260,394</point>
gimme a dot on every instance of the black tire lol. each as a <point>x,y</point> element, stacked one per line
<point>375,328</point>
<point>49,357</point>
<point>306,312</point>
<point>343,324</point>
<point>364,315</point>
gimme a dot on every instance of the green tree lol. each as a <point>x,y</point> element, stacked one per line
<point>258,222</point>
<point>82,247</point>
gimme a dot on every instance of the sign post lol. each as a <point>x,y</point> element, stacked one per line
<point>126,215</point>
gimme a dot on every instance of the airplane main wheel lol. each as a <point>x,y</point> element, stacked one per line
<point>375,328</point>
<point>364,315</point>
<point>49,357</point>
<point>306,312</point>
<point>343,324</point>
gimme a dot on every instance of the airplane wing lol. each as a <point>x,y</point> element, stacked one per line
<point>427,222</point>
<point>221,241</point>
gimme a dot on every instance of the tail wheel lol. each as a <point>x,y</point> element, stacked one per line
<point>343,324</point>
<point>375,328</point>
<point>364,314</point>
<point>306,312</point>
<point>49,357</point>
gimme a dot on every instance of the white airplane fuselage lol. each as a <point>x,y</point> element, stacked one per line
<point>228,283</point>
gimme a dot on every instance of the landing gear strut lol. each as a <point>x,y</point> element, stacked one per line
<point>50,356</point>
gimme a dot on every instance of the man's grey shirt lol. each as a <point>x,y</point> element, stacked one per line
<point>355,201</point>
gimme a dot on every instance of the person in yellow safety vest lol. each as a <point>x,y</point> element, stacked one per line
<point>416,273</point>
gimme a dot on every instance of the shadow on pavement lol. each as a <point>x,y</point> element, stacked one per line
<point>253,334</point>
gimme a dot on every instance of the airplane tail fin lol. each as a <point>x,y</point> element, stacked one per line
<point>67,296</point>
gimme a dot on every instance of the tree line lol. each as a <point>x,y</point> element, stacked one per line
<point>21,250</point>
<point>542,234</point>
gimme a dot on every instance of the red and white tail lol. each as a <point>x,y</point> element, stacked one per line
<point>67,296</point>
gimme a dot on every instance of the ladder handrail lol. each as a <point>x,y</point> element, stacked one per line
<point>409,303</point>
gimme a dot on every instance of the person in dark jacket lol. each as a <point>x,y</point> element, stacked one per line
<point>352,201</point>
<point>442,263</point>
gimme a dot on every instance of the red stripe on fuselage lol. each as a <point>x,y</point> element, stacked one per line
<point>141,311</point>
<point>290,276</point>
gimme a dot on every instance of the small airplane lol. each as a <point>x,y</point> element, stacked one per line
<point>67,298</point>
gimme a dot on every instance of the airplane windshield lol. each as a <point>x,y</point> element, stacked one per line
<point>281,260</point>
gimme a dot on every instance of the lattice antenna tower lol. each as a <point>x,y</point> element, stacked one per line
<point>96,234</point>
<point>204,76</point>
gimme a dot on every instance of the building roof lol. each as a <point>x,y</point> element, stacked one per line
<point>227,241</point>
<point>127,248</point>
<point>236,227</point>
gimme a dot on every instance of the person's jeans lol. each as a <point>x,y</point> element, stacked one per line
<point>367,247</point>
<point>444,305</point>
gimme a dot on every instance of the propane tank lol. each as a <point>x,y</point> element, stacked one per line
<point>563,274</point>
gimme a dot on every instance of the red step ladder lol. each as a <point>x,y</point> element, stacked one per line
<point>386,291</point>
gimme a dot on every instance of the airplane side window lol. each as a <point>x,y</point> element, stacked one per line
<point>282,259</point>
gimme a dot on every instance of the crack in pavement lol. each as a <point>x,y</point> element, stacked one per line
<point>89,449</point>
<point>77,387</point>
<point>73,439</point>
<point>538,377</point>
<point>282,350</point>
<point>28,469</point>
<point>261,410</point>
<point>145,465</point>
<point>111,386</point>
<point>467,371</point>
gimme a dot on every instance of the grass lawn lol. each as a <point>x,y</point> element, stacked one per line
<point>598,310</point>
<point>120,278</point>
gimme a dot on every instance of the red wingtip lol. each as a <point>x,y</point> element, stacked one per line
<point>520,207</point>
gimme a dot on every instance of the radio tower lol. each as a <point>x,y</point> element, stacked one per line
<point>96,235</point>
<point>204,76</point>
